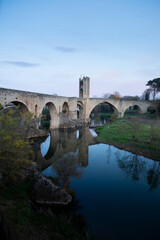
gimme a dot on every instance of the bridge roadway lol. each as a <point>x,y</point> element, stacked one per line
<point>59,105</point>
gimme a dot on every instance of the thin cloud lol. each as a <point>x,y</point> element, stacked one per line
<point>21,64</point>
<point>65,49</point>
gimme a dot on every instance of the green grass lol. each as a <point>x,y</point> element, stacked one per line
<point>134,135</point>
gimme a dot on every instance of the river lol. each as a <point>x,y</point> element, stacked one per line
<point>119,192</point>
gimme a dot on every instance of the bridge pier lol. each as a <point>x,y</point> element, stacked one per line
<point>120,114</point>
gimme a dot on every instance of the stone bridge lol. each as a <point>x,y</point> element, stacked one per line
<point>68,106</point>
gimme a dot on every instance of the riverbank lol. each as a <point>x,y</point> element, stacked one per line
<point>21,218</point>
<point>134,134</point>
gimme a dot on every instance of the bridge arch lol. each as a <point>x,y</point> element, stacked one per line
<point>134,109</point>
<point>21,106</point>
<point>79,109</point>
<point>151,109</point>
<point>65,108</point>
<point>53,114</point>
<point>103,103</point>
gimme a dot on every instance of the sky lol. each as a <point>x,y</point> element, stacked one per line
<point>47,45</point>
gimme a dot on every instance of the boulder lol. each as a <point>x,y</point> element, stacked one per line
<point>45,192</point>
<point>73,123</point>
<point>33,132</point>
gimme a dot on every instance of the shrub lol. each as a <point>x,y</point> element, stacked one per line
<point>15,151</point>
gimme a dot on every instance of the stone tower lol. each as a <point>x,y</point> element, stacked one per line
<point>84,85</point>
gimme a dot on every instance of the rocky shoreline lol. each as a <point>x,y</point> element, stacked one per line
<point>46,192</point>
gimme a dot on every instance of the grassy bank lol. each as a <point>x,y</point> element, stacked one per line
<point>134,135</point>
<point>27,221</point>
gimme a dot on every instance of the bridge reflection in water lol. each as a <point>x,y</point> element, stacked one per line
<point>66,142</point>
<point>62,141</point>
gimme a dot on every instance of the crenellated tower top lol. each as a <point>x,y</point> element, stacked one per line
<point>84,87</point>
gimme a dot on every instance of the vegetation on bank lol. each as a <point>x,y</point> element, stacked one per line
<point>19,215</point>
<point>26,221</point>
<point>133,134</point>
<point>15,150</point>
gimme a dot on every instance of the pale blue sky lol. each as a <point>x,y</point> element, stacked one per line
<point>46,45</point>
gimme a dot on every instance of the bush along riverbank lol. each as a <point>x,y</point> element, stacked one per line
<point>133,134</point>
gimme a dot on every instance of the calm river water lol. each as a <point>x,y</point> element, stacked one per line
<point>119,192</point>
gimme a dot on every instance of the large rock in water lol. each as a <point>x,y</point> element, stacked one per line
<point>34,131</point>
<point>45,192</point>
<point>73,123</point>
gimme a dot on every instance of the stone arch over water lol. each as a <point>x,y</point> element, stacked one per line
<point>53,114</point>
<point>65,108</point>
<point>79,109</point>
